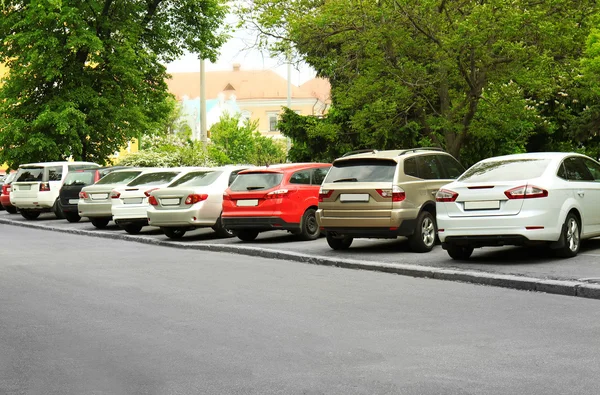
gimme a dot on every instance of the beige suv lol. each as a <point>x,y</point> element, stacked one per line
<point>385,194</point>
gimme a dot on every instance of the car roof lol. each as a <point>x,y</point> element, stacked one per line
<point>284,167</point>
<point>535,155</point>
<point>391,154</point>
<point>57,163</point>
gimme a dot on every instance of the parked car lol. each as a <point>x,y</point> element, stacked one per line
<point>193,201</point>
<point>385,194</point>
<point>279,197</point>
<point>36,186</point>
<point>94,200</point>
<point>73,184</point>
<point>524,199</point>
<point>130,202</point>
<point>5,195</point>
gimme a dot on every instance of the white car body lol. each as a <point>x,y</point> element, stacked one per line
<point>476,211</point>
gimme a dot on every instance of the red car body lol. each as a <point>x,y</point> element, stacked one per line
<point>5,197</point>
<point>283,197</point>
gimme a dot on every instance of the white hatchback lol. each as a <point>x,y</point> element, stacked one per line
<point>523,199</point>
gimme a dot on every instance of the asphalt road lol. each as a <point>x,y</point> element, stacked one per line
<point>83,315</point>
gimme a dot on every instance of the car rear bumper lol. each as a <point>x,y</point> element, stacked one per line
<point>192,217</point>
<point>96,209</point>
<point>124,212</point>
<point>33,203</point>
<point>259,223</point>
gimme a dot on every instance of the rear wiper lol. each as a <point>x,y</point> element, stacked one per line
<point>346,180</point>
<point>253,188</point>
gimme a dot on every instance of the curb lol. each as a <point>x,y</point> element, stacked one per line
<point>558,287</point>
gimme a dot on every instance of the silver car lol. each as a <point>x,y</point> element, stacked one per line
<point>193,201</point>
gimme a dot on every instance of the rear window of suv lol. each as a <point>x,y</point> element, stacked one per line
<point>119,177</point>
<point>505,170</point>
<point>362,170</point>
<point>154,178</point>
<point>80,178</point>
<point>30,174</point>
<point>256,181</point>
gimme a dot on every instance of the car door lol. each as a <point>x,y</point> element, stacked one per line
<point>430,169</point>
<point>593,193</point>
<point>581,181</point>
<point>303,190</point>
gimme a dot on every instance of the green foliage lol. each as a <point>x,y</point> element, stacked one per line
<point>87,76</point>
<point>191,153</point>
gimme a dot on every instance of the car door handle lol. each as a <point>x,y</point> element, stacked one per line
<point>581,193</point>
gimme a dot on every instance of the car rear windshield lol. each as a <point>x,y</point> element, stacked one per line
<point>256,181</point>
<point>505,170</point>
<point>362,170</point>
<point>30,174</point>
<point>80,178</point>
<point>197,179</point>
<point>163,177</point>
<point>119,177</point>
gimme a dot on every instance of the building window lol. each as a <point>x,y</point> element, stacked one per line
<point>272,122</point>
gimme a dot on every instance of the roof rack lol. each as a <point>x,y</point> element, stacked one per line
<point>405,151</point>
<point>360,151</point>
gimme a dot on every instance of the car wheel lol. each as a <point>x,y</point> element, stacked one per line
<point>132,229</point>
<point>309,228</point>
<point>174,233</point>
<point>57,209</point>
<point>72,217</point>
<point>423,239</point>
<point>11,209</point>
<point>571,237</point>
<point>339,243</point>
<point>459,253</point>
<point>221,230</point>
<point>28,214</point>
<point>247,235</point>
<point>100,223</point>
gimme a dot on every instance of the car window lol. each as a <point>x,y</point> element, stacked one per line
<point>410,167</point>
<point>562,172</point>
<point>158,178</point>
<point>319,175</point>
<point>429,168</point>
<point>256,181</point>
<point>197,179</point>
<point>301,177</point>
<point>593,167</point>
<point>362,170</point>
<point>29,174</point>
<point>505,170</point>
<point>450,166</point>
<point>576,170</point>
<point>119,177</point>
<point>55,173</point>
<point>79,178</point>
<point>233,176</point>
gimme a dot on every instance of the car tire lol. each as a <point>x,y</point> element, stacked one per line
<point>570,237</point>
<point>423,239</point>
<point>57,209</point>
<point>100,223</point>
<point>29,214</point>
<point>132,229</point>
<point>339,243</point>
<point>174,233</point>
<point>11,209</point>
<point>72,217</point>
<point>221,230</point>
<point>309,228</point>
<point>459,253</point>
<point>247,235</point>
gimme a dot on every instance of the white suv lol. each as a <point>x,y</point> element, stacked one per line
<point>36,186</point>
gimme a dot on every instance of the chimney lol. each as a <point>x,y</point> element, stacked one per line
<point>236,67</point>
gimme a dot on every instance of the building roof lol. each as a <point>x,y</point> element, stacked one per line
<point>245,84</point>
<point>319,88</point>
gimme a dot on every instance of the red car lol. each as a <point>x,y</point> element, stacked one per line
<point>283,197</point>
<point>5,194</point>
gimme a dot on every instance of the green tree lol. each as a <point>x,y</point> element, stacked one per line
<point>87,76</point>
<point>461,75</point>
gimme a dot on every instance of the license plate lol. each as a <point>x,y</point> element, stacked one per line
<point>170,202</point>
<point>354,197</point>
<point>247,202</point>
<point>98,196</point>
<point>483,205</point>
<point>73,201</point>
<point>132,200</point>
<point>24,187</point>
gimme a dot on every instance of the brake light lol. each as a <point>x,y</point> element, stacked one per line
<point>152,200</point>
<point>44,187</point>
<point>149,191</point>
<point>526,192</point>
<point>325,194</point>
<point>115,194</point>
<point>83,195</point>
<point>445,195</point>
<point>396,193</point>
<point>226,196</point>
<point>195,198</point>
<point>277,194</point>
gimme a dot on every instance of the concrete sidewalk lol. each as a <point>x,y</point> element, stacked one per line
<point>573,285</point>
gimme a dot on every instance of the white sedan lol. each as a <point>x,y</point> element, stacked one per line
<point>523,199</point>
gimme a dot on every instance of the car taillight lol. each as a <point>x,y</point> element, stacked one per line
<point>152,200</point>
<point>277,194</point>
<point>226,196</point>
<point>396,193</point>
<point>195,198</point>
<point>325,194</point>
<point>83,195</point>
<point>115,194</point>
<point>149,191</point>
<point>445,195</point>
<point>6,189</point>
<point>526,192</point>
<point>44,187</point>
